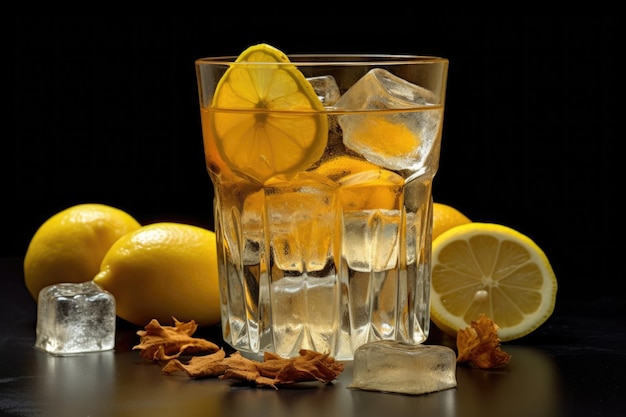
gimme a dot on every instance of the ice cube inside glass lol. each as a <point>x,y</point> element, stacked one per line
<point>75,318</point>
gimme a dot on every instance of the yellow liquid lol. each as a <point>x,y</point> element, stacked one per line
<point>334,256</point>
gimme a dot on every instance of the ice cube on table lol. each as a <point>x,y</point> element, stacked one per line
<point>391,366</point>
<point>394,140</point>
<point>75,318</point>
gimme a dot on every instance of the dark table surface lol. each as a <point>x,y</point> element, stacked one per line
<point>574,365</point>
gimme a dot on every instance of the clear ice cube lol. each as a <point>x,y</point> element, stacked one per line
<point>303,313</point>
<point>302,220</point>
<point>75,318</point>
<point>252,228</point>
<point>380,89</point>
<point>391,366</point>
<point>417,111</point>
<point>371,203</point>
<point>326,89</point>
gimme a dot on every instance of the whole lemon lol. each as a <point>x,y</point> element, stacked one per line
<point>163,270</point>
<point>446,217</point>
<point>70,245</point>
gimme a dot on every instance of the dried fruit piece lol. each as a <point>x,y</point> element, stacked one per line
<point>275,370</point>
<point>206,366</point>
<point>479,345</point>
<point>168,343</point>
<point>159,342</point>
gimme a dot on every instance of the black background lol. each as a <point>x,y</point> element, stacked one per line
<point>106,110</point>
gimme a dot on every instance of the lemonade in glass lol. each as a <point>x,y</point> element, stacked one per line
<point>322,167</point>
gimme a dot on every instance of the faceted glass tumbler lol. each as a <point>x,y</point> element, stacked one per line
<point>75,318</point>
<point>323,247</point>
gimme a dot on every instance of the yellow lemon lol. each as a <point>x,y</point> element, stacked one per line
<point>446,217</point>
<point>70,245</point>
<point>163,270</point>
<point>266,117</point>
<point>491,269</point>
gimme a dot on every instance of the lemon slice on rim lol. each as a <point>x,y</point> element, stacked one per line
<point>494,270</point>
<point>267,118</point>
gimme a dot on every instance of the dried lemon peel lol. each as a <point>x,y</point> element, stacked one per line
<point>207,366</point>
<point>273,371</point>
<point>161,343</point>
<point>479,345</point>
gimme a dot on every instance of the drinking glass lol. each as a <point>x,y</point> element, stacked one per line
<point>323,215</point>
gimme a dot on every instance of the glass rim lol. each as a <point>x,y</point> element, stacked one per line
<point>334,59</point>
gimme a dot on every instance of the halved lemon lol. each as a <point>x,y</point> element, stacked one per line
<point>266,117</point>
<point>491,269</point>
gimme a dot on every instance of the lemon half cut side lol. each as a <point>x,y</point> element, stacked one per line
<point>491,269</point>
<point>266,117</point>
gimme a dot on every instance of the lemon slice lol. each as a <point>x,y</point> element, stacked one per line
<point>342,166</point>
<point>494,270</point>
<point>267,118</point>
<point>371,190</point>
